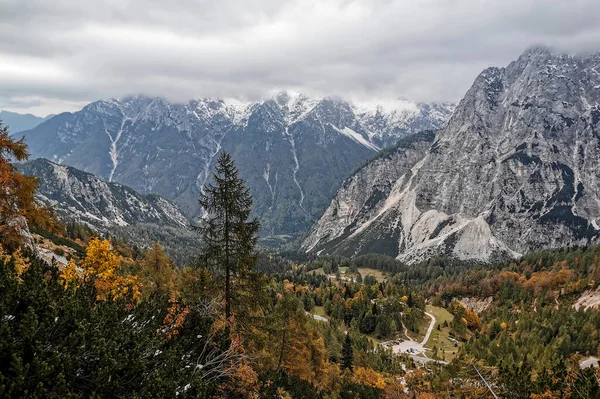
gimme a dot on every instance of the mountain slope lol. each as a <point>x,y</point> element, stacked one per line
<point>514,170</point>
<point>82,197</point>
<point>293,150</point>
<point>18,122</point>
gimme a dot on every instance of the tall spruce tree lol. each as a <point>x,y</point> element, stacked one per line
<point>347,353</point>
<point>228,235</point>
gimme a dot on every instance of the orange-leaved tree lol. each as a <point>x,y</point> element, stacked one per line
<point>17,203</point>
<point>157,272</point>
<point>298,345</point>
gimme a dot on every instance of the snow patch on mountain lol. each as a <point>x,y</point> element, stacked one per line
<point>272,188</point>
<point>401,109</point>
<point>346,131</point>
<point>239,111</point>
<point>296,168</point>
<point>114,153</point>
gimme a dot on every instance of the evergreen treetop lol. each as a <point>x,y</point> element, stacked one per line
<point>228,234</point>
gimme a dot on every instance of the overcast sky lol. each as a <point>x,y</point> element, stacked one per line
<point>57,56</point>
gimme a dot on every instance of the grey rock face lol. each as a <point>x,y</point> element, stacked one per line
<point>292,150</point>
<point>515,170</point>
<point>82,197</point>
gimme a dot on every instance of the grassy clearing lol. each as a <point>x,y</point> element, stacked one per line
<point>439,338</point>
<point>375,341</point>
<point>423,326</point>
<point>320,271</point>
<point>378,274</point>
<point>440,314</point>
<point>319,311</point>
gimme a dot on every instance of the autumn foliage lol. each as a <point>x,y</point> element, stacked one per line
<point>17,204</point>
<point>173,321</point>
<point>127,323</point>
<point>370,377</point>
<point>102,265</point>
<point>69,276</point>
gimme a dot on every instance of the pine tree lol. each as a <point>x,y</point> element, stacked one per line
<point>228,236</point>
<point>347,353</point>
<point>359,278</point>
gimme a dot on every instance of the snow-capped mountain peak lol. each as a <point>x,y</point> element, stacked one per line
<point>293,149</point>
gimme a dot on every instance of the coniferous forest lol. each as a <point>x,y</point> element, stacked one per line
<point>100,317</point>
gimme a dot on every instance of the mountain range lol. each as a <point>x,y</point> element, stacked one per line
<point>293,150</point>
<point>18,122</point>
<point>514,170</point>
<point>511,169</point>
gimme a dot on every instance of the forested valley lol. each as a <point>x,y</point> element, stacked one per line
<point>86,315</point>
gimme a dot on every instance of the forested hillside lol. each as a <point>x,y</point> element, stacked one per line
<point>83,315</point>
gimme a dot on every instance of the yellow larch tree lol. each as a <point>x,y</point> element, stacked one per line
<point>68,275</point>
<point>368,376</point>
<point>174,319</point>
<point>157,272</point>
<point>21,263</point>
<point>102,264</point>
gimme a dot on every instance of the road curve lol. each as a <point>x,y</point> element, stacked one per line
<point>430,329</point>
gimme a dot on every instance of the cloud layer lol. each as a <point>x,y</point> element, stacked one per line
<point>57,56</point>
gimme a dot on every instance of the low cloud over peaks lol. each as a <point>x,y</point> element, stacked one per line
<point>56,56</point>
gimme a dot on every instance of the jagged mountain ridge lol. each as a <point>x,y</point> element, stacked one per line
<point>514,170</point>
<point>293,150</point>
<point>82,197</point>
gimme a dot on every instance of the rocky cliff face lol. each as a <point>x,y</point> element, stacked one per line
<point>514,170</point>
<point>82,197</point>
<point>294,151</point>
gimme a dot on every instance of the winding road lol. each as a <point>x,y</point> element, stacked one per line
<point>412,347</point>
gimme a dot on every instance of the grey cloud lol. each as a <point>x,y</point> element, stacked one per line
<point>62,54</point>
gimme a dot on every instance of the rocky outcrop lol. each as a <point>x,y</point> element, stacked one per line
<point>477,305</point>
<point>82,197</point>
<point>590,299</point>
<point>354,222</point>
<point>514,170</point>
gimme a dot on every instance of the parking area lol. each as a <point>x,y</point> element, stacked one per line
<point>405,346</point>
